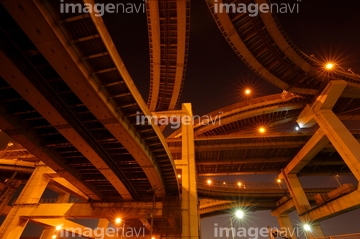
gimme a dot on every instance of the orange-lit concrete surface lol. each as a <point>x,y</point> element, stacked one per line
<point>76,119</point>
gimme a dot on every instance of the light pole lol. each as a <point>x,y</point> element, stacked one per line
<point>7,146</point>
<point>231,228</point>
<point>337,179</point>
<point>152,210</point>
<point>118,221</point>
<point>307,229</point>
<point>238,214</point>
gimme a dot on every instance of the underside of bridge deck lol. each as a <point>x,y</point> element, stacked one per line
<point>72,110</point>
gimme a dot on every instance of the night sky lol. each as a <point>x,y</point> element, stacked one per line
<point>215,77</point>
<point>215,74</point>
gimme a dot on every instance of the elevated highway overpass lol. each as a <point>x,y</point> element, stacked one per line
<point>216,197</point>
<point>66,96</point>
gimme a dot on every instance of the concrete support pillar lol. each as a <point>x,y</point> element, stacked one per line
<point>297,192</point>
<point>13,225</point>
<point>320,112</point>
<point>5,199</point>
<point>48,233</point>
<point>341,138</point>
<point>286,229</point>
<point>104,224</point>
<point>7,193</point>
<point>316,231</point>
<point>285,223</point>
<point>63,198</point>
<point>189,203</point>
<point>302,204</point>
<point>345,143</point>
<point>35,186</point>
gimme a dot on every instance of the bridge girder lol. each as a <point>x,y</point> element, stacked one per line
<point>168,51</point>
<point>94,96</point>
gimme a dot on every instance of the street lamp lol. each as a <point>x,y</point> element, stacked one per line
<point>238,214</point>
<point>247,91</point>
<point>329,66</point>
<point>262,130</point>
<point>337,179</point>
<point>118,220</point>
<point>332,65</point>
<point>7,146</point>
<point>307,227</point>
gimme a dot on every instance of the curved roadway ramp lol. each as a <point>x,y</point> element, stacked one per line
<point>243,117</point>
<point>263,45</point>
<point>232,145</point>
<point>216,198</point>
<point>168,24</point>
<point>220,197</point>
<point>66,96</point>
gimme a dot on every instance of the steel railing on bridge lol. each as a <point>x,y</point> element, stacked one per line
<point>15,154</point>
<point>55,200</point>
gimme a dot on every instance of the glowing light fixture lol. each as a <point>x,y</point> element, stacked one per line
<point>118,220</point>
<point>307,227</point>
<point>262,130</point>
<point>239,214</point>
<point>58,228</point>
<point>247,91</point>
<point>209,182</point>
<point>329,66</point>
